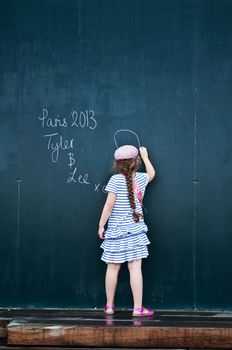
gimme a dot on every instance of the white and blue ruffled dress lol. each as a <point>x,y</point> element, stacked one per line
<point>125,239</point>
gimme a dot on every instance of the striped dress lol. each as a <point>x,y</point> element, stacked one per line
<point>125,239</point>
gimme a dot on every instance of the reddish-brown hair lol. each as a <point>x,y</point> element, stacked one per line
<point>127,167</point>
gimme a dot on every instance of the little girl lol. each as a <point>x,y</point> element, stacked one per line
<point>125,239</point>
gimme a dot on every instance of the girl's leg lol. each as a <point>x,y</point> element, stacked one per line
<point>111,281</point>
<point>136,281</point>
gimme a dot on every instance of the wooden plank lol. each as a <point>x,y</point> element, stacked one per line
<point>165,317</point>
<point>3,327</point>
<point>12,313</point>
<point>88,318</point>
<point>71,334</point>
<point>77,348</point>
<point>127,321</point>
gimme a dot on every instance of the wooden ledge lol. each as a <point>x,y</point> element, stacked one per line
<point>94,329</point>
<point>29,333</point>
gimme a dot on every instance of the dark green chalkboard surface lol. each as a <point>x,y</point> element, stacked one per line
<point>73,73</point>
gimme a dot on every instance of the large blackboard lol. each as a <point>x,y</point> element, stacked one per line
<point>73,72</point>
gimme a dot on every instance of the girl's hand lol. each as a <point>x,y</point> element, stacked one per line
<point>143,152</point>
<point>101,232</point>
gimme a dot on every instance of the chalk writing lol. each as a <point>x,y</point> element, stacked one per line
<point>53,123</point>
<point>96,187</point>
<point>72,177</point>
<point>57,143</point>
<point>79,119</point>
<point>129,131</point>
<point>80,178</point>
<point>99,188</point>
<point>84,119</point>
<point>72,160</point>
<point>56,146</point>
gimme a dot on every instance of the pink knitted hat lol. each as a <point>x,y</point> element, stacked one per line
<point>126,152</point>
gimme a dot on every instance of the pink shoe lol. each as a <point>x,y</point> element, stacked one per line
<point>109,310</point>
<point>141,311</point>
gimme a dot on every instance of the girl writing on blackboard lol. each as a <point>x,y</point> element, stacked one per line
<point>125,238</point>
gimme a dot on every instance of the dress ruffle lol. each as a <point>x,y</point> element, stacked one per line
<point>121,257</point>
<point>121,230</point>
<point>125,247</point>
<point>126,242</point>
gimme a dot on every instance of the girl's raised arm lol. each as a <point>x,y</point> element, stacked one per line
<point>149,167</point>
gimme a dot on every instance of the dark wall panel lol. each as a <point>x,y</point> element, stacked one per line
<point>159,68</point>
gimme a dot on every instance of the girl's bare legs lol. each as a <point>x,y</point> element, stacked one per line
<point>136,281</point>
<point>111,281</point>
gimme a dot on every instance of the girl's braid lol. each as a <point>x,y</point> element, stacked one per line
<point>131,197</point>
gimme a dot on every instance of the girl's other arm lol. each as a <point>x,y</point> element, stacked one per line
<point>149,167</point>
<point>109,204</point>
